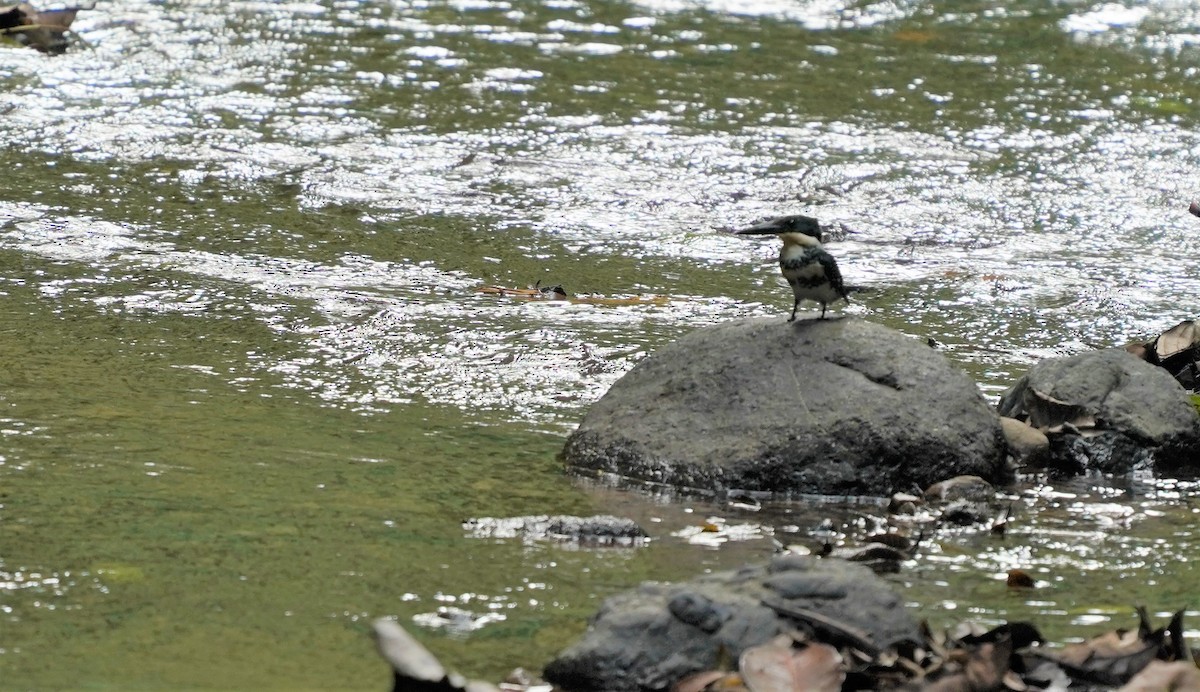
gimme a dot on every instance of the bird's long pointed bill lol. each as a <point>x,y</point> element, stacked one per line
<point>764,228</point>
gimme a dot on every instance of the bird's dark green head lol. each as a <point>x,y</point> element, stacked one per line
<point>797,223</point>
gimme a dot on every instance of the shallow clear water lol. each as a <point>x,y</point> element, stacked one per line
<point>249,388</point>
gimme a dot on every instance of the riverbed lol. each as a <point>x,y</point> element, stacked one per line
<point>250,387</point>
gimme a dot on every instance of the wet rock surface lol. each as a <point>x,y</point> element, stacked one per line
<point>822,406</point>
<point>1027,446</point>
<point>657,634</point>
<point>1109,411</point>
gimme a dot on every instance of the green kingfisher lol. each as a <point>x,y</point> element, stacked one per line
<point>810,271</point>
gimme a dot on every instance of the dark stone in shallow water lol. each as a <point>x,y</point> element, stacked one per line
<point>1108,411</point>
<point>838,406</point>
<point>595,530</point>
<point>651,637</point>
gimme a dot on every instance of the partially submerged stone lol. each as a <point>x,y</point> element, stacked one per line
<point>839,406</point>
<point>651,637</point>
<point>1109,411</point>
<point>598,530</point>
<point>1027,446</point>
<point>972,488</point>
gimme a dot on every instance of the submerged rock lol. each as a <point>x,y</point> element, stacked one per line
<point>972,488</point>
<point>1108,411</point>
<point>1027,446</point>
<point>596,530</point>
<point>817,406</point>
<point>649,638</point>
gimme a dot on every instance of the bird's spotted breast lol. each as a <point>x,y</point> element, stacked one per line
<point>805,275</point>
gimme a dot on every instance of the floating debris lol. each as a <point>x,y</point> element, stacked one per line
<point>715,531</point>
<point>557,292</point>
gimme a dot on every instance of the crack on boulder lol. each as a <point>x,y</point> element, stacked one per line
<point>888,379</point>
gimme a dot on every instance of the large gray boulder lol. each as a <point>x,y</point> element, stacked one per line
<point>1109,411</point>
<point>651,637</point>
<point>816,406</point>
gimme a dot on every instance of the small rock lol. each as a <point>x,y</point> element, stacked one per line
<point>965,513</point>
<point>970,488</point>
<point>904,503</point>
<point>1027,445</point>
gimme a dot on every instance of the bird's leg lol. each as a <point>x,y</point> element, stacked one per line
<point>794,306</point>
<point>822,310</point>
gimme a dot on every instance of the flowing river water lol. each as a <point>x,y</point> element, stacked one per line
<point>249,389</point>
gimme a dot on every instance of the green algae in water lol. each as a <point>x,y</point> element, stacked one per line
<point>168,413</point>
<point>171,529</point>
<point>118,574</point>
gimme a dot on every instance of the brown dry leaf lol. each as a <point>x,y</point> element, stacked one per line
<point>1160,676</point>
<point>777,666</point>
<point>709,679</point>
<point>984,671</point>
<point>1177,339</point>
<point>1110,659</point>
<point>910,36</point>
<point>1020,579</point>
<point>1013,682</point>
<point>535,292</point>
<point>1119,642</point>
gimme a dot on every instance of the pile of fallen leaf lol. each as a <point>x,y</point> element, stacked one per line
<point>1008,657</point>
<point>829,658</point>
<point>44,31</point>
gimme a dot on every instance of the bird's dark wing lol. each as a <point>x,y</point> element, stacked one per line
<point>833,274</point>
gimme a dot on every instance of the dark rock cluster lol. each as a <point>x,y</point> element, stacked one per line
<point>845,406</point>
<point>653,636</point>
<point>1107,411</point>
